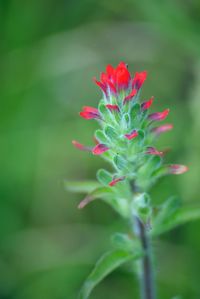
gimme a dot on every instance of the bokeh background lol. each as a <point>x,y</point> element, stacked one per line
<point>49,52</point>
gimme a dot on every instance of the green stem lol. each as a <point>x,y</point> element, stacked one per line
<point>147,275</point>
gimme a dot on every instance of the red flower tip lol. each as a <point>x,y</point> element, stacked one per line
<point>114,79</point>
<point>112,107</point>
<point>89,113</point>
<point>146,105</point>
<point>115,181</point>
<point>81,146</point>
<point>162,129</point>
<point>100,149</point>
<point>177,169</point>
<point>130,96</point>
<point>100,84</point>
<point>131,135</point>
<point>139,79</point>
<point>122,76</point>
<point>159,115</point>
<point>154,151</point>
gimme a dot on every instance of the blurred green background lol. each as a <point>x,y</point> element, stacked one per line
<point>49,52</point>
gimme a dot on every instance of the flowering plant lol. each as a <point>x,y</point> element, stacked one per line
<point>126,140</point>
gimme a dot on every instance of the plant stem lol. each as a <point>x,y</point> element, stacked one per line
<point>147,275</point>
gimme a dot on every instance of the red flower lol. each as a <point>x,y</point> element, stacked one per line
<point>162,129</point>
<point>112,107</point>
<point>131,135</point>
<point>139,79</point>
<point>115,181</point>
<point>159,115</point>
<point>177,169</point>
<point>100,149</point>
<point>114,79</point>
<point>89,113</point>
<point>153,151</point>
<point>146,105</point>
<point>81,146</point>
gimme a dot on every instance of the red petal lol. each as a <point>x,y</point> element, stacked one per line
<point>162,129</point>
<point>100,149</point>
<point>153,151</point>
<point>81,146</point>
<point>131,135</point>
<point>146,105</point>
<point>130,96</point>
<point>159,115</point>
<point>139,79</point>
<point>112,107</point>
<point>177,169</point>
<point>115,181</point>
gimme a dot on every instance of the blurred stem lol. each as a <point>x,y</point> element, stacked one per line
<point>147,274</point>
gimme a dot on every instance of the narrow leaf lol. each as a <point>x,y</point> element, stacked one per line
<point>179,217</point>
<point>81,187</point>
<point>104,193</point>
<point>106,264</point>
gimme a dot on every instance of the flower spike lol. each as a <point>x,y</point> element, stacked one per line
<point>125,139</point>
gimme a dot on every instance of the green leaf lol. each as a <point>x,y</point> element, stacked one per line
<point>177,217</point>
<point>100,136</point>
<point>120,162</point>
<point>104,193</point>
<point>122,241</point>
<point>110,133</point>
<point>81,187</point>
<point>104,177</point>
<point>135,110</point>
<point>106,264</point>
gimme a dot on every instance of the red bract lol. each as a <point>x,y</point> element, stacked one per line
<point>89,113</point>
<point>100,149</point>
<point>131,135</point>
<point>153,151</point>
<point>139,79</point>
<point>122,76</point>
<point>81,146</point>
<point>159,115</point>
<point>162,129</point>
<point>177,169</point>
<point>130,96</point>
<point>112,107</point>
<point>146,105</point>
<point>115,181</point>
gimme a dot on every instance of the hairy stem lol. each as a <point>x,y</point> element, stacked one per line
<point>147,275</point>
